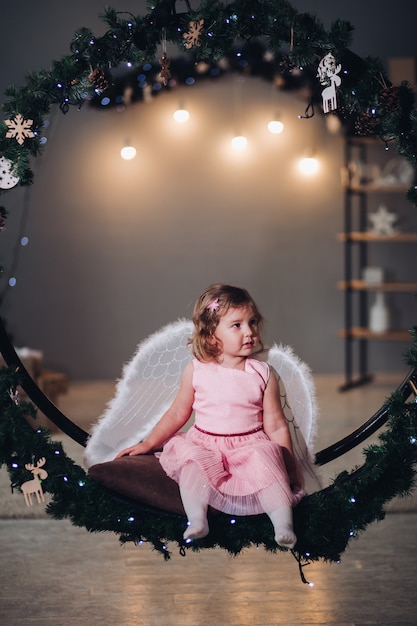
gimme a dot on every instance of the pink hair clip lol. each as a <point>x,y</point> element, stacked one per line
<point>214,306</point>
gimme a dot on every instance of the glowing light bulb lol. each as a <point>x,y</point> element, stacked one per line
<point>181,116</point>
<point>308,166</point>
<point>239,143</point>
<point>275,127</point>
<point>128,152</point>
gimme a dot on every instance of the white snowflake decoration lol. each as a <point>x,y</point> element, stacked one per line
<point>192,38</point>
<point>20,129</point>
<point>7,179</point>
<point>383,221</point>
<point>327,73</point>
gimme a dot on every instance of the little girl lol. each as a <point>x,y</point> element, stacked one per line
<point>238,456</point>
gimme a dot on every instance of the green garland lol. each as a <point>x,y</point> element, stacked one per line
<point>368,103</point>
<point>325,522</point>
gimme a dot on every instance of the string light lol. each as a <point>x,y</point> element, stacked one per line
<point>275,127</point>
<point>239,143</point>
<point>181,116</point>
<point>128,152</point>
<point>308,166</point>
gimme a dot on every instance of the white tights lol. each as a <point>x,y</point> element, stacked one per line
<point>196,512</point>
<point>198,527</point>
<point>282,521</point>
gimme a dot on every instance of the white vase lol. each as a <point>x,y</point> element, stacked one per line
<point>379,315</point>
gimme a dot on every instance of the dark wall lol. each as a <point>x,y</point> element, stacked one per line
<point>118,249</point>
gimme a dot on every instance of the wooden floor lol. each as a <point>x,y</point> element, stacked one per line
<point>53,573</point>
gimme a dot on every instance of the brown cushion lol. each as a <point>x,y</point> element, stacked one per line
<point>140,478</point>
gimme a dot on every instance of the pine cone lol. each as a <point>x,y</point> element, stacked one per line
<point>390,98</point>
<point>367,124</point>
<point>286,65</point>
<point>100,79</point>
<point>3,214</point>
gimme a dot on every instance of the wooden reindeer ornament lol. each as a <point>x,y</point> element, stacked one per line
<point>34,486</point>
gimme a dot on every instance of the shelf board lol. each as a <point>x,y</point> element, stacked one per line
<point>365,333</point>
<point>375,188</point>
<point>376,238</point>
<point>361,285</point>
<point>359,140</point>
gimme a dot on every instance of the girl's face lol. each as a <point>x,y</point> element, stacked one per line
<point>237,333</point>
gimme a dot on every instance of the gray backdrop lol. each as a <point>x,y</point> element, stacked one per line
<point>118,249</point>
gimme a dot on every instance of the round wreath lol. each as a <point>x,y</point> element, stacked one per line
<point>268,37</point>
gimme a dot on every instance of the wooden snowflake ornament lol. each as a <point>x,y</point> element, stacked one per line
<point>192,37</point>
<point>19,129</point>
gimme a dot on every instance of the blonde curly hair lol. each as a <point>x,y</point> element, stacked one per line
<point>213,303</point>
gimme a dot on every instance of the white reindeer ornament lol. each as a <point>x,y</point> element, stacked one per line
<point>34,486</point>
<point>328,75</point>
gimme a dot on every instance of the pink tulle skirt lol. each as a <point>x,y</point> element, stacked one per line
<point>238,474</point>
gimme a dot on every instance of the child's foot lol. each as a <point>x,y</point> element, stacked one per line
<point>286,538</point>
<point>282,521</point>
<point>196,530</point>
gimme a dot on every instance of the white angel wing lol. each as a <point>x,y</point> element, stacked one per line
<point>148,385</point>
<point>298,399</point>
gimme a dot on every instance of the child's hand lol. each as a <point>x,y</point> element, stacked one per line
<point>139,448</point>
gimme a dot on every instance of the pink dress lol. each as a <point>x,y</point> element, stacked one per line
<point>226,459</point>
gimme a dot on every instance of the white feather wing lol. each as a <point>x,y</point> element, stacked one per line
<point>148,385</point>
<point>298,399</point>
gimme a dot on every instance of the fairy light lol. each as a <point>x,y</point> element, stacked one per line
<point>275,127</point>
<point>181,116</point>
<point>128,152</point>
<point>308,166</point>
<point>239,143</point>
